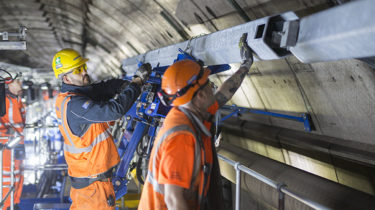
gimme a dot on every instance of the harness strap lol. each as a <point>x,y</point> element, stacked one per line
<point>79,183</point>
<point>206,166</point>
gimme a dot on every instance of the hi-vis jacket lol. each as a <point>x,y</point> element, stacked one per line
<point>14,119</point>
<point>83,113</point>
<point>178,158</point>
<point>12,122</point>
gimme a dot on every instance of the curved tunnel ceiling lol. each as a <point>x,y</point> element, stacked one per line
<point>108,31</point>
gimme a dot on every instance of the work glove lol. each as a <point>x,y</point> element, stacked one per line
<point>245,52</point>
<point>144,72</point>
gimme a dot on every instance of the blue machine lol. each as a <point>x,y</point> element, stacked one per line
<point>143,119</point>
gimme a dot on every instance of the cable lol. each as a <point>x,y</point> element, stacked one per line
<point>9,78</point>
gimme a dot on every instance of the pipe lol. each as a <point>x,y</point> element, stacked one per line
<point>1,174</point>
<point>11,189</point>
<point>238,185</point>
<point>12,179</point>
<point>310,187</point>
<point>307,142</point>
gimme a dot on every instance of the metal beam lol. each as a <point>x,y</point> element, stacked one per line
<point>342,32</point>
<point>13,45</point>
<point>217,48</point>
<point>345,31</point>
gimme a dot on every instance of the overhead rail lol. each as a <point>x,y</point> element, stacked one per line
<point>281,187</point>
<point>18,44</point>
<point>342,32</point>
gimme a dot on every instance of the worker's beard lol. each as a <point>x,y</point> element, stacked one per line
<point>86,80</point>
<point>19,93</point>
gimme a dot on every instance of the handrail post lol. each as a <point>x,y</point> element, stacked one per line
<point>281,196</point>
<point>238,185</point>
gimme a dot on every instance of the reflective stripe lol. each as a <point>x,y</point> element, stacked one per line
<point>18,125</point>
<point>157,187</point>
<point>199,127</point>
<point>6,179</point>
<point>101,137</point>
<point>160,187</point>
<point>10,111</point>
<point>62,120</point>
<point>8,172</point>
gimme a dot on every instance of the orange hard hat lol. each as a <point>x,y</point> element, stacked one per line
<point>181,81</point>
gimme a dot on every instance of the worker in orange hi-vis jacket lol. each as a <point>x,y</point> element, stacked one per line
<point>11,125</point>
<point>83,110</point>
<point>183,171</point>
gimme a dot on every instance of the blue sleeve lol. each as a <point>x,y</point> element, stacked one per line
<point>106,90</point>
<point>82,110</point>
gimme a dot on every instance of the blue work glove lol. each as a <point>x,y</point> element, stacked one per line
<point>144,72</point>
<point>245,52</point>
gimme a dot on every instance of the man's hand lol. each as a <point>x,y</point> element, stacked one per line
<point>246,52</point>
<point>143,72</point>
<point>230,86</point>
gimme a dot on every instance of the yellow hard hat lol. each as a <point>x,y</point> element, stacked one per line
<point>65,60</point>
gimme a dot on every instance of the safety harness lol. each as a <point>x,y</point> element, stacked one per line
<point>206,166</point>
<point>79,183</point>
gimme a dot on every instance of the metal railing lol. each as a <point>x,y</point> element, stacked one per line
<point>280,187</point>
<point>47,167</point>
<point>11,186</point>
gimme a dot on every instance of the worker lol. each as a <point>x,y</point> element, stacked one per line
<point>11,125</point>
<point>83,110</point>
<point>183,171</point>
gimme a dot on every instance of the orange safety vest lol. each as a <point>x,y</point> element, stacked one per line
<point>91,154</point>
<point>14,117</point>
<point>175,124</point>
<point>13,121</point>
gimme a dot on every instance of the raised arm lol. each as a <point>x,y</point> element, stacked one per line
<point>230,86</point>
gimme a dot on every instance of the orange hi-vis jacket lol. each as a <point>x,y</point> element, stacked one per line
<point>12,123</point>
<point>15,116</point>
<point>177,159</point>
<point>90,155</point>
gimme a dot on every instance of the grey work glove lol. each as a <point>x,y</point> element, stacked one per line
<point>245,52</point>
<point>144,72</point>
